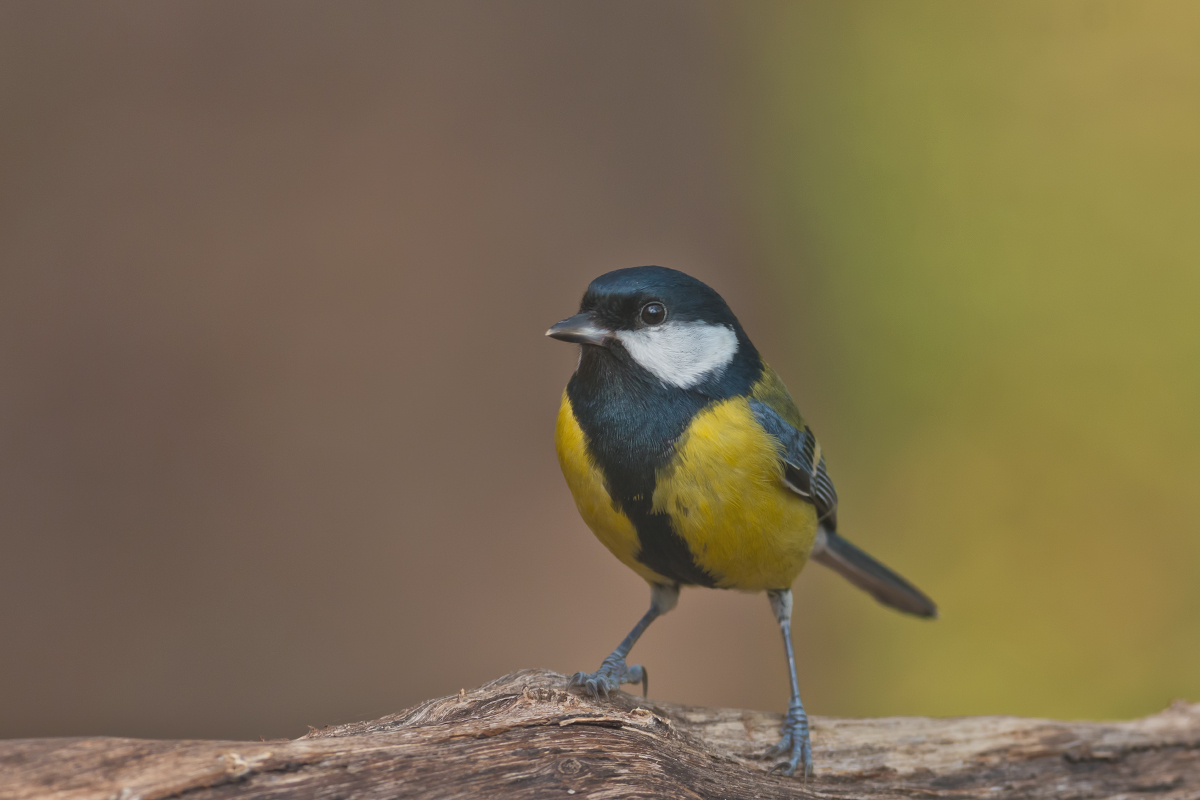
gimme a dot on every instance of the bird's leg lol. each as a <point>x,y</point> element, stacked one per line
<point>613,672</point>
<point>794,745</point>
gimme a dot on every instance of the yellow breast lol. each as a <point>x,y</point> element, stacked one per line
<point>724,493</point>
<point>586,482</point>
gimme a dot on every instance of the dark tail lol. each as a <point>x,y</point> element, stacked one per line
<point>866,573</point>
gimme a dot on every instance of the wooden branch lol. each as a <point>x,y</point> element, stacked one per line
<point>525,736</point>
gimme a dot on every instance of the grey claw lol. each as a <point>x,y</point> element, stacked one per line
<point>794,745</point>
<point>612,673</point>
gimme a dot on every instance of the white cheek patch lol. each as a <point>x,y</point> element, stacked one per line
<point>681,353</point>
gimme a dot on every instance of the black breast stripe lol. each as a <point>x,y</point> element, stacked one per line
<point>632,422</point>
<point>631,433</point>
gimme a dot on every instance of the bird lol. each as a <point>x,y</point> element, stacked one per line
<point>688,459</point>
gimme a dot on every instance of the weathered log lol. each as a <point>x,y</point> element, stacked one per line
<point>526,736</point>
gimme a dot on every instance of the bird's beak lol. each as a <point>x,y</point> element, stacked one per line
<point>581,329</point>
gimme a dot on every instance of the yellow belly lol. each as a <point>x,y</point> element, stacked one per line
<point>725,495</point>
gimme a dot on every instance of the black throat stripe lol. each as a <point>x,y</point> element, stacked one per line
<point>632,421</point>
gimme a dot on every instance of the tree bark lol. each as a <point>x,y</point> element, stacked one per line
<point>526,736</point>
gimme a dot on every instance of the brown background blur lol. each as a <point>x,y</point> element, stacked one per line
<point>276,409</point>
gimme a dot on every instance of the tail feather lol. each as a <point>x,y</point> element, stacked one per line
<point>868,574</point>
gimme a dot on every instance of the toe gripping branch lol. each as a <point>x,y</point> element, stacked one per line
<point>613,672</point>
<point>794,747</point>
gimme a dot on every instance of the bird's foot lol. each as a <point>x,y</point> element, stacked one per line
<point>794,746</point>
<point>609,677</point>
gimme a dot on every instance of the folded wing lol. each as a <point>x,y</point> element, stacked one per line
<point>804,473</point>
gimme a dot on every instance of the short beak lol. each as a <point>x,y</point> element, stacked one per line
<point>581,329</point>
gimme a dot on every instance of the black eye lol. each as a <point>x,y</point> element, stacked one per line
<point>653,313</point>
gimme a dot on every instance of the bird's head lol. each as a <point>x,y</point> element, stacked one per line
<point>659,320</point>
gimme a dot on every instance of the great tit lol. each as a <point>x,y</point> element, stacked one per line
<point>687,458</point>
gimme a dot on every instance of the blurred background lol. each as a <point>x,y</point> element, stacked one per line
<point>276,409</point>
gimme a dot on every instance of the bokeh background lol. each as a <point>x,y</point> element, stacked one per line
<point>276,409</point>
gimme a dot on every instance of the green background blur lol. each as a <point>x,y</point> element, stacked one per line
<point>275,428</point>
<point>999,204</point>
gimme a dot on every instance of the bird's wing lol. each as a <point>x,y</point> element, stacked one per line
<point>803,465</point>
<point>804,473</point>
